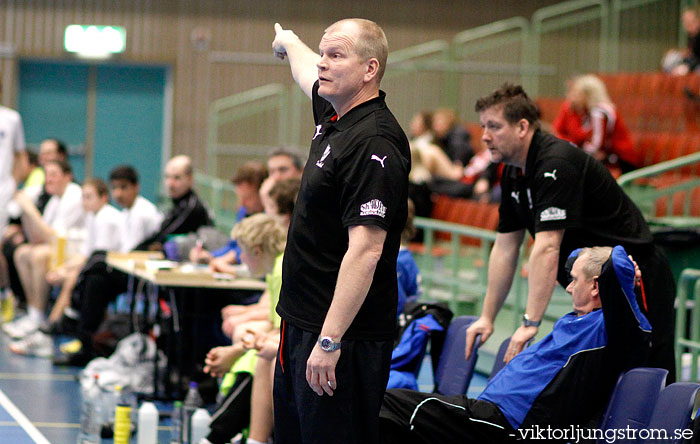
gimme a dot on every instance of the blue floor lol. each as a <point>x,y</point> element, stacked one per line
<point>40,403</point>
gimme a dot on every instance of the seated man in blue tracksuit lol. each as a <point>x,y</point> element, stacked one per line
<point>564,380</point>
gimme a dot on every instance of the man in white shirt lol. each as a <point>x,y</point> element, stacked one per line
<point>13,160</point>
<point>141,218</point>
<point>62,216</point>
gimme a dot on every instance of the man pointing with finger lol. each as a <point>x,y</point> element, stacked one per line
<point>339,289</point>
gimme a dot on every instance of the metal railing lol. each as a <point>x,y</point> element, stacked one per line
<point>541,52</point>
<point>688,307</point>
<point>230,109</point>
<point>636,185</point>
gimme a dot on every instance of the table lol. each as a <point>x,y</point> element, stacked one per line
<point>150,268</point>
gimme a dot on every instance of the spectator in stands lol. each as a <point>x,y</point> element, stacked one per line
<point>589,119</point>
<point>680,62</point>
<point>99,284</point>
<point>282,164</point>
<point>431,170</point>
<point>605,335</point>
<point>35,173</point>
<point>63,218</point>
<point>13,236</point>
<point>102,222</point>
<point>188,212</point>
<point>565,199</point>
<point>451,136</point>
<point>247,181</point>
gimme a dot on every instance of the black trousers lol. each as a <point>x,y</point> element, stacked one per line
<point>351,415</point>
<point>97,286</point>
<point>410,417</point>
<point>8,250</point>
<point>233,414</point>
<point>660,294</point>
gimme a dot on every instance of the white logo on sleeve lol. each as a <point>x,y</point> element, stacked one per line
<point>319,163</point>
<point>379,159</point>
<point>374,207</point>
<point>552,213</point>
<point>317,133</point>
<point>516,196</point>
<point>552,175</point>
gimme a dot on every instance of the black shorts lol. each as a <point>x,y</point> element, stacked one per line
<point>351,415</point>
<point>410,417</point>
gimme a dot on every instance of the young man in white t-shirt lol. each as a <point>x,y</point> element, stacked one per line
<point>13,160</point>
<point>63,215</point>
<point>102,221</point>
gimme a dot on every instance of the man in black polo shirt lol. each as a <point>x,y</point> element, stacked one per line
<point>566,200</point>
<point>339,289</point>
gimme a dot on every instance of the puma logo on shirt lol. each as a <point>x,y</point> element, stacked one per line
<point>552,175</point>
<point>378,159</point>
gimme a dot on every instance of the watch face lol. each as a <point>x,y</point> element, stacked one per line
<point>326,344</point>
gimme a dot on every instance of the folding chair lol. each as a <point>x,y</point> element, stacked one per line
<point>498,364</point>
<point>453,372</point>
<point>633,399</point>
<point>673,411</point>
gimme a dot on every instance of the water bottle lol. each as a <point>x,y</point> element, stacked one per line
<point>200,425</point>
<point>91,414</point>
<point>192,402</point>
<point>122,418</point>
<point>147,429</point>
<point>176,424</point>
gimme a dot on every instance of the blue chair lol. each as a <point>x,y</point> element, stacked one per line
<point>633,399</point>
<point>453,372</point>
<point>498,364</point>
<point>673,411</point>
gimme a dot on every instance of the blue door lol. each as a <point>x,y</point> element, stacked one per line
<point>107,114</point>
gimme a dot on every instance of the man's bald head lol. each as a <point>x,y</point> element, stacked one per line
<point>370,42</point>
<point>178,176</point>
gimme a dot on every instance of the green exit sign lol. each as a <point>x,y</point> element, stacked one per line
<point>94,41</point>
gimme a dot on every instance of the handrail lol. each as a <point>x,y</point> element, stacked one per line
<point>617,6</point>
<point>658,168</point>
<point>252,95</point>
<point>420,50</point>
<point>517,23</point>
<point>684,303</point>
<point>234,102</point>
<point>560,13</point>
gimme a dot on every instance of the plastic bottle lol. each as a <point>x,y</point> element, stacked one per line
<point>122,418</point>
<point>200,425</point>
<point>192,402</point>
<point>91,414</point>
<point>147,424</point>
<point>176,424</point>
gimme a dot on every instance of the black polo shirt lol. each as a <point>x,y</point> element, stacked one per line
<point>565,188</point>
<point>357,174</point>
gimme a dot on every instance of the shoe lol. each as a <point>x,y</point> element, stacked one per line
<point>79,359</point>
<point>64,326</point>
<point>20,328</point>
<point>35,344</point>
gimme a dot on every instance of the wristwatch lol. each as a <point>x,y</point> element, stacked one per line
<point>528,323</point>
<point>327,344</point>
